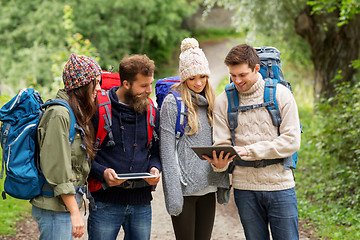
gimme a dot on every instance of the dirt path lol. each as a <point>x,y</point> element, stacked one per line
<point>215,53</point>
<point>227,224</point>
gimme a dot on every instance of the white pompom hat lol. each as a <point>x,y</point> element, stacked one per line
<point>192,60</point>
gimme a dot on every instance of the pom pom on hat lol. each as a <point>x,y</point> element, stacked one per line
<point>192,60</point>
<point>189,43</point>
<point>79,71</point>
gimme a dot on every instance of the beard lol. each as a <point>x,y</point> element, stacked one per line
<point>137,101</point>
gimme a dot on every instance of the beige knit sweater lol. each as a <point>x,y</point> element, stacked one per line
<point>259,136</point>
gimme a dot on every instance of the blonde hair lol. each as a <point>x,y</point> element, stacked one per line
<point>193,107</point>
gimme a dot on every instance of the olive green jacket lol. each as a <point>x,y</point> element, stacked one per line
<point>63,166</point>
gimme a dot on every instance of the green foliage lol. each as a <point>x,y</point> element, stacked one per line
<point>74,43</point>
<point>327,189</point>
<point>216,34</point>
<point>221,86</point>
<point>287,20</point>
<point>347,8</point>
<point>29,34</point>
<point>340,128</point>
<point>36,36</point>
<point>118,28</point>
<point>269,17</point>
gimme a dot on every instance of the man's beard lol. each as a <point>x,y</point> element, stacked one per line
<point>138,101</point>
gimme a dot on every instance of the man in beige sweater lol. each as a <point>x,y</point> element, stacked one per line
<point>264,194</point>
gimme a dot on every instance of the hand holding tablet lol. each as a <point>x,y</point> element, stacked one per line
<point>208,151</point>
<point>135,175</point>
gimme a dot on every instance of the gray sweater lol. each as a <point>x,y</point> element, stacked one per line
<point>188,174</point>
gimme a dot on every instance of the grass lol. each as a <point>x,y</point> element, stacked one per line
<point>12,211</point>
<point>213,34</point>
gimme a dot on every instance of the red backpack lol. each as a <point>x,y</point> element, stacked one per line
<point>109,80</point>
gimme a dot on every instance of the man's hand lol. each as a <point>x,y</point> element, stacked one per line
<point>111,179</point>
<point>155,180</point>
<point>221,161</point>
<point>241,151</point>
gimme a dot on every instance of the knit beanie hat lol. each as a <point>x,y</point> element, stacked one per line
<point>192,60</point>
<point>79,71</point>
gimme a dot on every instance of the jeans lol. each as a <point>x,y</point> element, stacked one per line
<point>105,222</point>
<point>259,209</point>
<point>52,225</point>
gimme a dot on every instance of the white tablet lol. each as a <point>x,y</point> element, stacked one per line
<point>135,175</point>
<point>208,151</point>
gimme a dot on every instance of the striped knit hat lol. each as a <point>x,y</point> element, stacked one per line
<point>79,71</point>
<point>192,60</point>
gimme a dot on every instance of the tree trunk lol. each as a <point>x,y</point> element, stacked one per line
<point>332,48</point>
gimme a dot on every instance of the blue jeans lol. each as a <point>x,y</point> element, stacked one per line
<point>258,209</point>
<point>105,222</point>
<point>52,225</point>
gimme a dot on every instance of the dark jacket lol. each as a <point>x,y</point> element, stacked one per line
<point>129,155</point>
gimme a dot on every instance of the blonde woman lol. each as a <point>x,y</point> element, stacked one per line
<point>190,184</point>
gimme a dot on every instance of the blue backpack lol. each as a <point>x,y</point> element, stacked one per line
<point>20,118</point>
<point>270,69</point>
<point>162,89</point>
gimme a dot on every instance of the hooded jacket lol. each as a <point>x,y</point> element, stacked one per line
<point>129,155</point>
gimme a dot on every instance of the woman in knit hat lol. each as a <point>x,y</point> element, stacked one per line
<point>190,184</point>
<point>66,166</point>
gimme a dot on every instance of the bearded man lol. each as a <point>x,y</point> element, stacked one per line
<point>125,202</point>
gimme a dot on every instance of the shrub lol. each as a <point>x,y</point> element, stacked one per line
<point>340,130</point>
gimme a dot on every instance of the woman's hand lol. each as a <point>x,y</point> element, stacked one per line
<point>77,222</point>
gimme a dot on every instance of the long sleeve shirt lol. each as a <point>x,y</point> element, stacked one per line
<point>256,132</point>
<point>63,165</point>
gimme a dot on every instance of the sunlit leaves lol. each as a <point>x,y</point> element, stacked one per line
<point>347,8</point>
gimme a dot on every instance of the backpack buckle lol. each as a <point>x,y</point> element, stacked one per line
<point>259,164</point>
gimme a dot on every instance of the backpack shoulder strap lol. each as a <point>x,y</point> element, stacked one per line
<point>105,122</point>
<point>181,119</point>
<point>58,101</point>
<point>270,97</point>
<point>150,117</point>
<point>233,103</point>
<point>46,189</point>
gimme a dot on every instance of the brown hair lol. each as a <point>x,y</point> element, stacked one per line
<point>131,65</point>
<point>84,108</point>
<point>242,53</point>
<point>192,107</point>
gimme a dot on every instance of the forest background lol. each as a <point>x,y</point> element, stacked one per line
<point>320,46</point>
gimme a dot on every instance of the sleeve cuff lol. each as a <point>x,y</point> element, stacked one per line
<point>64,188</point>
<point>220,169</point>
